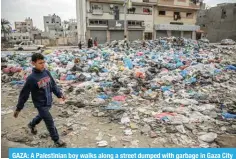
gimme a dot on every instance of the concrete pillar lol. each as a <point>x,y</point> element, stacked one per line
<point>108,36</point>
<point>194,35</point>
<point>182,34</point>
<point>154,34</point>
<point>168,33</point>
<point>88,34</point>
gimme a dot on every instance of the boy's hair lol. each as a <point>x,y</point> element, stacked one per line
<point>37,56</point>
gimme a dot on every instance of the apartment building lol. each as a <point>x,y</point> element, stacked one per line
<point>25,26</point>
<point>146,19</point>
<point>176,18</point>
<point>97,19</point>
<point>53,26</point>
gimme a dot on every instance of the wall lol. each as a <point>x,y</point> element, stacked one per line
<point>215,27</point>
<point>181,2</point>
<point>166,19</point>
<point>42,42</point>
<point>148,19</point>
<point>81,14</point>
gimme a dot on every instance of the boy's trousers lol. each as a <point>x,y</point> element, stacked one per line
<point>45,115</point>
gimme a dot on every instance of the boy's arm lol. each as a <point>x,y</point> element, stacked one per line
<point>55,89</point>
<point>24,95</point>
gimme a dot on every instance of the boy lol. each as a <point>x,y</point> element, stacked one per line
<point>41,85</point>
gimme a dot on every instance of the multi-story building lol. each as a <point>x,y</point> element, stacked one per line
<point>52,26</point>
<point>96,18</point>
<point>218,22</point>
<point>19,37</point>
<point>23,27</point>
<point>70,28</point>
<point>176,18</point>
<point>146,19</point>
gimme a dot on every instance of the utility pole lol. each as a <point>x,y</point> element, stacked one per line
<point>125,21</point>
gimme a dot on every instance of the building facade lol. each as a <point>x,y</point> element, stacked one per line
<point>218,22</point>
<point>25,26</point>
<point>176,18</point>
<point>147,19</point>
<point>53,26</point>
<point>101,24</point>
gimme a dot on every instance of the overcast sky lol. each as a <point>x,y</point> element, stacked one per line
<point>18,10</point>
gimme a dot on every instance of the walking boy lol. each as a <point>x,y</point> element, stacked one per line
<point>41,85</point>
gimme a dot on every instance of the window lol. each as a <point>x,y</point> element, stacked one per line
<point>96,7</point>
<point>138,23</point>
<point>96,22</point>
<point>23,37</point>
<point>28,24</point>
<point>145,0</point>
<point>177,15</point>
<point>203,25</point>
<point>133,23</point>
<point>76,27</point>
<point>91,22</point>
<point>132,10</point>
<point>189,15</point>
<point>147,10</point>
<point>57,22</point>
<point>47,22</point>
<point>148,36</point>
<point>129,22</point>
<point>223,14</point>
<point>162,12</point>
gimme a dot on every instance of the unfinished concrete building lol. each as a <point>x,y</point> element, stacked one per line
<point>218,22</point>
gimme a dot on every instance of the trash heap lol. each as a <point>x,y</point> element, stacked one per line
<point>177,90</point>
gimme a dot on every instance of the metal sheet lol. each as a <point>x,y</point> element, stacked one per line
<point>161,33</point>
<point>100,34</point>
<point>116,35</point>
<point>135,35</point>
<point>188,34</point>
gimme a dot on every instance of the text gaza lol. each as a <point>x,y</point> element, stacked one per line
<point>20,155</point>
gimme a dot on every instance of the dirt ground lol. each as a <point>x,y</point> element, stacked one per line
<point>86,128</point>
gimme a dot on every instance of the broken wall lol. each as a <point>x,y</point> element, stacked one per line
<point>218,22</point>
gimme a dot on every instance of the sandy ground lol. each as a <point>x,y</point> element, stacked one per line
<point>86,128</point>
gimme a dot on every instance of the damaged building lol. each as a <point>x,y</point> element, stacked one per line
<point>218,22</point>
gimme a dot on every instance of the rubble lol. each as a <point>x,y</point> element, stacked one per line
<point>171,87</point>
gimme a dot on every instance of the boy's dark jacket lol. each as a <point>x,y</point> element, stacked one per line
<point>41,85</point>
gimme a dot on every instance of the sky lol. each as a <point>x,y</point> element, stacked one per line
<point>18,10</point>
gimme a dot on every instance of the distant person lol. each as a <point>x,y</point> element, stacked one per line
<point>126,41</point>
<point>40,84</point>
<point>80,45</point>
<point>96,42</point>
<point>144,43</point>
<point>90,43</point>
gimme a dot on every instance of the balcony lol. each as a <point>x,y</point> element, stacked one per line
<point>97,12</point>
<point>165,2</point>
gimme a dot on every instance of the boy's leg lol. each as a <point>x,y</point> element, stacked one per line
<point>36,121</point>
<point>47,117</point>
<point>33,123</point>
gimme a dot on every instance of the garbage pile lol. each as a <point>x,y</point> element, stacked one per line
<point>179,90</point>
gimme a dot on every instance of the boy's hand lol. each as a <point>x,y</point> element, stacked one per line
<point>16,113</point>
<point>62,100</point>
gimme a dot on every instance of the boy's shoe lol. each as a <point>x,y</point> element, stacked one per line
<point>32,129</point>
<point>60,143</point>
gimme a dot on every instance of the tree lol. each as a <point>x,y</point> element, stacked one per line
<point>5,27</point>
